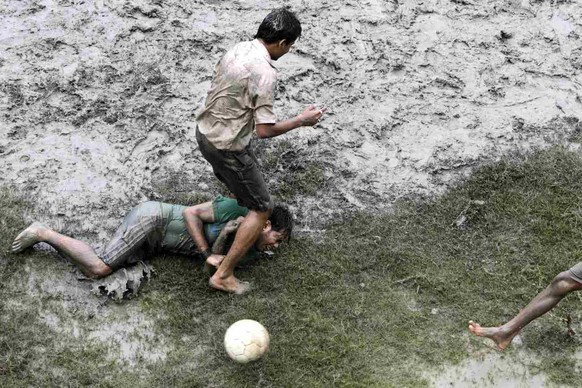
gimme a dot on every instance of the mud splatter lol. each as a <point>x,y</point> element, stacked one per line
<point>124,283</point>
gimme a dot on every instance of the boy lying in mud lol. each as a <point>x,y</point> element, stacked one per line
<point>154,227</point>
<point>564,283</point>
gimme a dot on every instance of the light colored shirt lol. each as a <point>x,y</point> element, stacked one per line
<point>241,96</point>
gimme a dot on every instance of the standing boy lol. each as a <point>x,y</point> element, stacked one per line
<point>240,100</point>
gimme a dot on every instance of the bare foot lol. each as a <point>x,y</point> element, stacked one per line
<point>501,339</point>
<point>28,237</point>
<point>212,263</point>
<point>229,284</point>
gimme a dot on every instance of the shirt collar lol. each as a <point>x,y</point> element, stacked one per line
<point>263,51</point>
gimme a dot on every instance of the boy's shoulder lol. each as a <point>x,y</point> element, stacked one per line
<point>252,55</point>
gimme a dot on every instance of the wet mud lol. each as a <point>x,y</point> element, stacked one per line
<point>98,98</point>
<point>491,370</point>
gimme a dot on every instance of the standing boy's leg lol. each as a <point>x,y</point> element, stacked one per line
<point>246,235</point>
<point>240,173</point>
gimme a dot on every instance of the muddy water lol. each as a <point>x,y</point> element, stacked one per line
<point>97,97</point>
<point>490,370</point>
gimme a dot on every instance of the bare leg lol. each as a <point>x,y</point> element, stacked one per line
<point>246,235</point>
<point>79,252</point>
<point>546,300</point>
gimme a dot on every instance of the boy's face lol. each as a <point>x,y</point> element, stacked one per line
<point>282,48</point>
<point>269,238</point>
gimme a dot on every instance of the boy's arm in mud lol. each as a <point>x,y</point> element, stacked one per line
<point>308,118</point>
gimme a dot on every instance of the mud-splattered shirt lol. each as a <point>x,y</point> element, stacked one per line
<point>176,236</point>
<point>241,96</point>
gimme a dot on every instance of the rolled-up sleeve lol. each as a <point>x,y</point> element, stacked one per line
<point>262,89</point>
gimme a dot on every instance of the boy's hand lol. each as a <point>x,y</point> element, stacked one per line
<point>231,226</point>
<point>311,115</point>
<point>214,260</point>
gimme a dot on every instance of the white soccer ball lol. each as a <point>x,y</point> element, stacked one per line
<point>246,340</point>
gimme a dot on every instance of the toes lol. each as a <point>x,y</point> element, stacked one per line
<point>16,246</point>
<point>474,328</point>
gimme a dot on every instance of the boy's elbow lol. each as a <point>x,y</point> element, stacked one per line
<point>261,134</point>
<point>264,130</point>
<point>189,211</point>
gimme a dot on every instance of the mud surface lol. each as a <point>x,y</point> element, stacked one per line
<point>493,370</point>
<point>97,98</point>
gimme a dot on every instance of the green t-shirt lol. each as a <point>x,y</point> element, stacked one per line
<point>176,236</point>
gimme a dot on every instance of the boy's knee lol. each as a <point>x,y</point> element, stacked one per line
<point>100,270</point>
<point>264,212</point>
<point>565,282</point>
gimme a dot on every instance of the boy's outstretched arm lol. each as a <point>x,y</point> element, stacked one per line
<point>309,117</point>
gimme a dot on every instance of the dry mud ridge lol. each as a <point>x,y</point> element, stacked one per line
<point>97,98</point>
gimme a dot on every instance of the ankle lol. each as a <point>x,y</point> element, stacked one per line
<point>45,235</point>
<point>506,331</point>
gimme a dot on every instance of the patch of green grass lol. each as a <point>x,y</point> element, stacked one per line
<point>385,294</point>
<point>291,170</point>
<point>383,297</point>
<point>173,189</point>
<point>304,182</point>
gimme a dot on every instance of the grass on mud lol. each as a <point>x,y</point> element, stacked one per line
<point>377,302</point>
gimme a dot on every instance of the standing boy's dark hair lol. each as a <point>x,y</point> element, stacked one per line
<point>279,24</point>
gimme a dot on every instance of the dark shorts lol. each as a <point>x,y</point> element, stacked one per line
<point>141,233</point>
<point>239,171</point>
<point>576,272</point>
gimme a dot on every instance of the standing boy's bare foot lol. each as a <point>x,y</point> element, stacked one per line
<point>501,339</point>
<point>28,237</point>
<point>229,284</point>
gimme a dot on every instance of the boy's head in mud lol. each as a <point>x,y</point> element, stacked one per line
<point>277,229</point>
<point>278,32</point>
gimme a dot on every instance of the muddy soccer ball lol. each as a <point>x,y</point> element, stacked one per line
<point>246,340</point>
